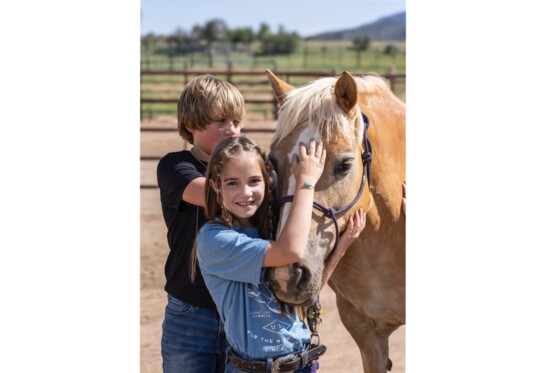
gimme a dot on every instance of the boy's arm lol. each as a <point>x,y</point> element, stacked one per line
<point>194,192</point>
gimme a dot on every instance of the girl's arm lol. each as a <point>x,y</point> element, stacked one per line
<point>291,243</point>
<point>356,225</point>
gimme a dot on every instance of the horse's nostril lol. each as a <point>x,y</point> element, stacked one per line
<point>298,275</point>
<point>302,275</point>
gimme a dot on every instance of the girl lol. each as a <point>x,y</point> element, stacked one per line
<point>233,252</point>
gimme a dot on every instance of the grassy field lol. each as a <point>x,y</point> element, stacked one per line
<point>326,56</point>
<point>310,55</point>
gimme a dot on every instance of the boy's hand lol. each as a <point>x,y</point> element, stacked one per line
<point>356,225</point>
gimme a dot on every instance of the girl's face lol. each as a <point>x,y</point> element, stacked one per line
<point>243,187</point>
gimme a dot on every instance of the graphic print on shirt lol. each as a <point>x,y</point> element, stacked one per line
<point>276,326</point>
<point>264,296</point>
<point>273,323</point>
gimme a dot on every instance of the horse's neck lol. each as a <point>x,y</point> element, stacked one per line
<point>388,169</point>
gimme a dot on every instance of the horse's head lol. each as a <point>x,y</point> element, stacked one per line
<point>325,109</point>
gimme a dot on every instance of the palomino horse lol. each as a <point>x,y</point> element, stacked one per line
<point>362,125</point>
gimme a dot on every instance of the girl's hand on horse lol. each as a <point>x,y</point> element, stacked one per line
<point>309,165</point>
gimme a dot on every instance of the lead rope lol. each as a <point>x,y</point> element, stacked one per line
<point>313,315</point>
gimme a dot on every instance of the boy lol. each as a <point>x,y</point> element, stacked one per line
<point>193,340</point>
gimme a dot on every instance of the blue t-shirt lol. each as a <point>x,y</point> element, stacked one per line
<point>231,264</point>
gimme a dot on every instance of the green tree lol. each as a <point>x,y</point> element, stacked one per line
<point>148,43</point>
<point>214,30</point>
<point>241,35</point>
<point>281,43</point>
<point>179,41</point>
<point>264,31</point>
<point>391,50</point>
<point>197,31</point>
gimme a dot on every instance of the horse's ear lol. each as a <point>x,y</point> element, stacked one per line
<point>346,93</point>
<point>278,86</point>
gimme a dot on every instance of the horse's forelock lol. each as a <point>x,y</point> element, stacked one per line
<point>314,105</point>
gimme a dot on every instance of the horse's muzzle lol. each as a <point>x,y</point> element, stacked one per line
<point>292,284</point>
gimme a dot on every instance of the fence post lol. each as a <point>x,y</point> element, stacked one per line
<point>185,67</point>
<point>305,55</point>
<point>391,76</point>
<point>229,72</point>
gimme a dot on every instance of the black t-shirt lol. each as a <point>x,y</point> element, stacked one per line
<point>174,172</point>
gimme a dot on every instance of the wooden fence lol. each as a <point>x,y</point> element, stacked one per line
<point>254,86</point>
<point>244,79</point>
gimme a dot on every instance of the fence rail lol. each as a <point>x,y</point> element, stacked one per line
<point>230,74</point>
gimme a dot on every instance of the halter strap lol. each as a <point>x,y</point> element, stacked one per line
<point>331,213</point>
<point>367,154</point>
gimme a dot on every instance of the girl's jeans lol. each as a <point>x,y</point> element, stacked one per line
<point>193,340</point>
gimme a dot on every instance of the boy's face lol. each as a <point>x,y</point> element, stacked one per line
<point>208,138</point>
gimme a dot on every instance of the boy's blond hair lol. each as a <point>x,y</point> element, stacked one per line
<point>207,99</point>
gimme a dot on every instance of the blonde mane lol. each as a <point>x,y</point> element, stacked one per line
<point>313,105</point>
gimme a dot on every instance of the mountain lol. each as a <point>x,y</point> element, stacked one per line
<point>387,28</point>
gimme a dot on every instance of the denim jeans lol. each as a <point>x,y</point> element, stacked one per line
<point>193,340</point>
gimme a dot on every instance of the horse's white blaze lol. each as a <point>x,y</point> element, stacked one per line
<point>304,137</point>
<point>286,207</point>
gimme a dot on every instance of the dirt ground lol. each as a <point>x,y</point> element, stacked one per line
<point>342,354</point>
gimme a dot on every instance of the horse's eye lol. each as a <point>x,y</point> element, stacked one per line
<point>345,166</point>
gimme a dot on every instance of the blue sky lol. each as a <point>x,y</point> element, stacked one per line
<point>307,17</point>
